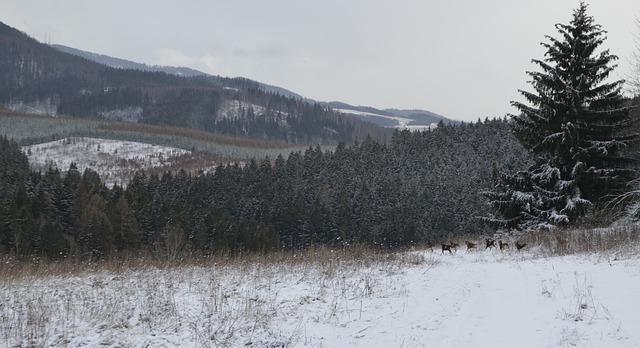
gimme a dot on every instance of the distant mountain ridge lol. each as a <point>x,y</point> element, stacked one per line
<point>39,78</point>
<point>180,71</point>
<point>393,118</point>
<point>384,118</point>
<point>127,64</point>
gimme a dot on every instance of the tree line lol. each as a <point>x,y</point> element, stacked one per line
<point>570,150</point>
<point>421,186</point>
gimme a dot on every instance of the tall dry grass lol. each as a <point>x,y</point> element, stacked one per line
<point>619,240</point>
<point>236,300</point>
<point>221,301</point>
<point>12,267</point>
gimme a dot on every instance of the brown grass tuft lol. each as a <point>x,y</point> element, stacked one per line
<point>12,268</point>
<point>564,241</point>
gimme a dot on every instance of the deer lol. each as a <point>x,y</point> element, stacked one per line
<point>470,246</point>
<point>503,245</point>
<point>454,247</point>
<point>446,247</point>
<point>490,243</point>
<point>520,245</point>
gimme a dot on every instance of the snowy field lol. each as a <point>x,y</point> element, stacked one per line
<point>417,298</point>
<point>401,122</point>
<point>115,161</point>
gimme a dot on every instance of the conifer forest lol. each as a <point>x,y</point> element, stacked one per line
<point>560,161</point>
<point>421,186</point>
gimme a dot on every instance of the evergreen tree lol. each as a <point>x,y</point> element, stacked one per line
<point>633,80</point>
<point>574,125</point>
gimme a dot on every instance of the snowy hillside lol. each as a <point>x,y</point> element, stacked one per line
<point>234,109</point>
<point>114,160</point>
<point>422,298</point>
<point>398,121</point>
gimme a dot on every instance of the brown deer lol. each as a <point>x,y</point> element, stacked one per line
<point>454,247</point>
<point>503,245</point>
<point>520,245</point>
<point>491,243</point>
<point>446,247</point>
<point>470,246</point>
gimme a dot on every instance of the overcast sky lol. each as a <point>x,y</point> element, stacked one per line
<point>462,59</point>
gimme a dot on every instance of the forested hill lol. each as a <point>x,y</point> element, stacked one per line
<point>180,71</point>
<point>421,186</point>
<point>383,118</point>
<point>36,77</point>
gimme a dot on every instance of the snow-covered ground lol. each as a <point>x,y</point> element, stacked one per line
<point>234,109</point>
<point>410,299</point>
<point>115,161</point>
<point>402,122</point>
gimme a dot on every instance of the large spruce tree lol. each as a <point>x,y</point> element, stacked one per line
<point>574,124</point>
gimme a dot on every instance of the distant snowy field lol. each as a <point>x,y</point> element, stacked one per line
<point>116,161</point>
<point>401,122</point>
<point>411,299</point>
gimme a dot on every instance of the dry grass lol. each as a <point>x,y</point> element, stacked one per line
<point>225,301</point>
<point>240,300</point>
<point>11,267</point>
<point>195,134</point>
<point>618,241</point>
<point>622,240</point>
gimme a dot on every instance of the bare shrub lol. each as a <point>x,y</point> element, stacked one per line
<point>415,258</point>
<point>172,244</point>
<point>583,305</point>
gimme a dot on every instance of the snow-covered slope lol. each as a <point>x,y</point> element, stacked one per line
<point>415,299</point>
<point>234,109</point>
<point>397,121</point>
<point>115,161</point>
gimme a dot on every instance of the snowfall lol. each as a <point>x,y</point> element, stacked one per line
<point>419,298</point>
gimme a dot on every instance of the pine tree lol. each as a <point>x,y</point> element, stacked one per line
<point>633,80</point>
<point>574,126</point>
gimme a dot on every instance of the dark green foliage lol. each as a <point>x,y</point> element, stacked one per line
<point>422,186</point>
<point>575,125</point>
<point>94,103</point>
<point>14,161</point>
<point>188,107</point>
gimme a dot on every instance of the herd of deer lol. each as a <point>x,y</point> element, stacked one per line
<point>489,244</point>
